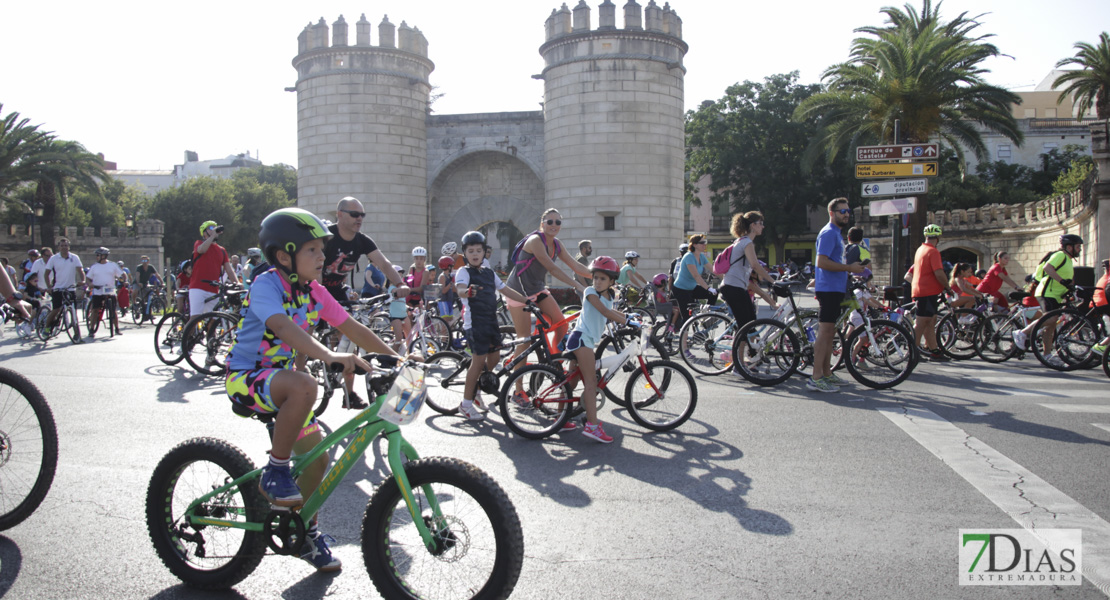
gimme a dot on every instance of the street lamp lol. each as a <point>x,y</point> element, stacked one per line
<point>129,221</point>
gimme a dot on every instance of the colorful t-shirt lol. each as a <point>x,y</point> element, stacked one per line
<point>926,263</point>
<point>256,346</point>
<point>592,323</point>
<point>1065,268</point>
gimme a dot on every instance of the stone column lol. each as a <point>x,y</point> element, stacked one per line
<point>1100,149</point>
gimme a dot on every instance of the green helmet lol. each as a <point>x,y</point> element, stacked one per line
<point>288,229</point>
<point>932,230</point>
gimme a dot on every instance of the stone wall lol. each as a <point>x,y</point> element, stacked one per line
<point>128,246</point>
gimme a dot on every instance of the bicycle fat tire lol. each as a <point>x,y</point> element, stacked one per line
<point>26,427</point>
<point>661,396</point>
<point>217,462</point>
<point>479,544</point>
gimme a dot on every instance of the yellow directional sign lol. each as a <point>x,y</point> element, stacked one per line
<point>925,169</point>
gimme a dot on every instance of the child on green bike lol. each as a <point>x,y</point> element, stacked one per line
<point>597,306</point>
<point>266,362</point>
<point>478,285</point>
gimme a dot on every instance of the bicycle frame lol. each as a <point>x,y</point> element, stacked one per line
<point>362,430</point>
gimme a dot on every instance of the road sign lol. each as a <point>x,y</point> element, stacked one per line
<point>928,169</point>
<point>893,206</point>
<point>898,152</point>
<point>896,188</point>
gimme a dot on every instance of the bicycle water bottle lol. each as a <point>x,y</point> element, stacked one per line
<point>810,335</point>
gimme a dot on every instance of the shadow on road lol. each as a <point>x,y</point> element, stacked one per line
<point>181,591</point>
<point>11,563</point>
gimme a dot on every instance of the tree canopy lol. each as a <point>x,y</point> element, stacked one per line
<point>1090,84</point>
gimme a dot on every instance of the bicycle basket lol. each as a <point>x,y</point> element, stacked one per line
<point>405,397</point>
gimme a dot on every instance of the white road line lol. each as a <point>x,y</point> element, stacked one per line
<point>1102,426</point>
<point>1028,499</point>
<point>1029,380</point>
<point>1080,408</point>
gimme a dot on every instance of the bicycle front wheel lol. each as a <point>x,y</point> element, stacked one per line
<point>611,346</point>
<point>71,324</point>
<point>205,556</point>
<point>768,352</point>
<point>959,333</point>
<point>28,448</point>
<point>206,341</point>
<point>996,339</point>
<point>477,542</point>
<point>667,336</point>
<point>168,338</point>
<point>446,378</point>
<point>542,407</point>
<point>137,310</point>
<point>706,343</point>
<point>661,395</point>
<point>1073,339</point>
<point>885,358</point>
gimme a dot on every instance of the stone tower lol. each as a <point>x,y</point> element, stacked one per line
<point>361,127</point>
<point>614,129</point>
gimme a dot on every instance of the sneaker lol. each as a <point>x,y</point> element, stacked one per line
<point>1056,362</point>
<point>937,356</point>
<point>1021,340</point>
<point>1100,349</point>
<point>278,487</point>
<point>688,355</point>
<point>821,385</point>
<point>78,341</point>
<point>317,553</point>
<point>521,400</point>
<point>595,432</point>
<point>834,379</point>
<point>478,404</point>
<point>471,412</point>
<point>92,335</point>
<point>210,361</point>
<point>569,426</point>
<point>354,401</point>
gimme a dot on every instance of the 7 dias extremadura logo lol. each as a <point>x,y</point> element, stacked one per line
<point>1017,557</point>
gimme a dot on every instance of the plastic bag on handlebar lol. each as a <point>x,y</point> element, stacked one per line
<point>405,397</point>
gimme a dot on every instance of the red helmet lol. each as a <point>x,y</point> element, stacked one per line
<point>446,262</point>
<point>606,264</point>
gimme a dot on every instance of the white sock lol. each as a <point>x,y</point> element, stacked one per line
<point>467,403</point>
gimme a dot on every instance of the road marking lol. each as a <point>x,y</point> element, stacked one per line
<point>1026,498</point>
<point>1102,426</point>
<point>1079,408</point>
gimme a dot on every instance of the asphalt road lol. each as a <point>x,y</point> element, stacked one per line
<point>764,493</point>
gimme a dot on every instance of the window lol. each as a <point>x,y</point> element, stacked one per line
<point>1050,113</point>
<point>1050,146</point>
<point>1030,113</point>
<point>610,223</point>
<point>1004,152</point>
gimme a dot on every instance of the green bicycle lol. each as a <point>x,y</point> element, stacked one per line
<point>439,527</point>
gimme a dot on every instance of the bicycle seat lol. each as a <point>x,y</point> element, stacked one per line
<point>781,290</point>
<point>246,412</point>
<point>1017,296</point>
<point>892,293</point>
<point>1084,293</point>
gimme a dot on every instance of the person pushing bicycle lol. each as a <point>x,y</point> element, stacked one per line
<point>266,361</point>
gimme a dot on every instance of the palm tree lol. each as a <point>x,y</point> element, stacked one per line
<point>920,72</point>
<point>1090,85</point>
<point>18,138</point>
<point>55,167</point>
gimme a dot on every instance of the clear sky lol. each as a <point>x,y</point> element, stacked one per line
<point>142,82</point>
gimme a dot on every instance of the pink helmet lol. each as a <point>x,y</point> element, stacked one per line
<point>446,262</point>
<point>606,264</point>
<point>659,279</point>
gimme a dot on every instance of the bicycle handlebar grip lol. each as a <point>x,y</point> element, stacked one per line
<point>338,368</point>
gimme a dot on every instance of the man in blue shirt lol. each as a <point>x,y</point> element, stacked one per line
<point>831,283</point>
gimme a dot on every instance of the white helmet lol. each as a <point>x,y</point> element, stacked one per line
<point>419,251</point>
<point>254,252</point>
<point>449,248</point>
<point>631,254</point>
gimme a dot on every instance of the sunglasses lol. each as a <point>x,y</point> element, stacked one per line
<point>844,211</point>
<point>554,222</point>
<point>354,213</point>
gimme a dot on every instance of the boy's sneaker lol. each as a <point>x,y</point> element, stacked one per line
<point>820,385</point>
<point>835,380</point>
<point>317,553</point>
<point>521,400</point>
<point>1021,340</point>
<point>278,487</point>
<point>595,432</point>
<point>471,412</point>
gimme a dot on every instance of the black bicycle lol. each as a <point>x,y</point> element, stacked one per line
<point>28,448</point>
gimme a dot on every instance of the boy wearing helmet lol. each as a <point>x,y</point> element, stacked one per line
<point>929,282</point>
<point>266,361</point>
<point>209,261</point>
<point>102,276</point>
<point>477,285</point>
<point>1053,286</point>
<point>597,306</point>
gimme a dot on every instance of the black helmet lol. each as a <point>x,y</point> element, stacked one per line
<point>102,251</point>
<point>289,229</point>
<point>1070,239</point>
<point>473,237</point>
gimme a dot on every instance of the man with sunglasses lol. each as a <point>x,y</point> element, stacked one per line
<point>341,255</point>
<point>831,284</point>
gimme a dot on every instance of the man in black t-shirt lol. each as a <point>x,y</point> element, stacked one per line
<point>341,255</point>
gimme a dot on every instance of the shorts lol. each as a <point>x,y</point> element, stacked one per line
<point>999,299</point>
<point>398,311</point>
<point>201,301</point>
<point>445,308</point>
<point>483,341</point>
<point>58,298</point>
<point>1048,304</point>
<point>575,341</point>
<point>830,306</point>
<point>252,389</point>
<point>927,306</point>
<point>535,298</point>
<point>100,301</point>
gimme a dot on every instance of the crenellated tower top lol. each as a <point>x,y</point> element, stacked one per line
<point>563,21</point>
<point>399,50</point>
<point>649,33</point>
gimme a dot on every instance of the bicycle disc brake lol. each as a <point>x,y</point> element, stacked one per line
<point>451,538</point>
<point>284,531</point>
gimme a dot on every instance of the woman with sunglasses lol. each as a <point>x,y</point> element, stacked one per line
<point>532,260</point>
<point>689,286</point>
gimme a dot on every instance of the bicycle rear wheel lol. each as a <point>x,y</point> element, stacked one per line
<point>93,316</point>
<point>661,395</point>
<point>996,339</point>
<point>28,448</point>
<point>959,333</point>
<point>771,352</point>
<point>611,346</point>
<point>206,341</point>
<point>446,378</point>
<point>706,341</point>
<point>1072,341</point>
<point>545,405</point>
<point>888,357</point>
<point>168,338</point>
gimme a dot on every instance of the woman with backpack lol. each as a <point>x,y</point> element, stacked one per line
<point>742,263</point>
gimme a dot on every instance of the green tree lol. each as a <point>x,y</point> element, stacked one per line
<point>752,149</point>
<point>18,139</point>
<point>920,72</point>
<point>185,207</point>
<point>113,205</point>
<point>280,174</point>
<point>1090,84</point>
<point>1075,176</point>
<point>58,168</point>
